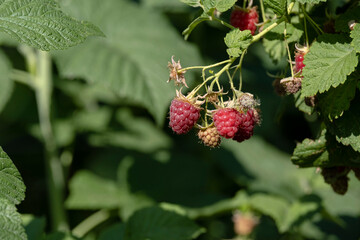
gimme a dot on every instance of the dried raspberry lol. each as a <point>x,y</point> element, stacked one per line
<point>246,127</point>
<point>311,101</point>
<point>331,174</point>
<point>341,185</point>
<point>227,121</point>
<point>210,137</point>
<point>245,19</point>
<point>183,115</point>
<point>357,172</point>
<point>278,87</point>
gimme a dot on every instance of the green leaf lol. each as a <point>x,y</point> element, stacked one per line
<point>300,211</point>
<point>355,35</point>
<point>324,152</point>
<point>41,24</point>
<point>124,62</point>
<point>60,236</point>
<point>88,191</point>
<point>237,42</point>
<point>327,65</point>
<point>272,206</point>
<point>12,186</point>
<point>192,3</point>
<point>278,6</point>
<point>140,134</point>
<point>157,223</point>
<point>310,152</point>
<point>203,17</point>
<point>342,22</point>
<point>34,227</point>
<point>293,31</point>
<point>275,48</point>
<point>114,232</point>
<point>219,5</point>
<point>310,1</point>
<point>347,128</point>
<point>10,225</point>
<point>6,85</point>
<point>337,100</point>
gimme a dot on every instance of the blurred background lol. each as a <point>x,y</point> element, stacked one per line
<point>110,117</point>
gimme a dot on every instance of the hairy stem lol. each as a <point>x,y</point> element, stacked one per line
<point>54,170</point>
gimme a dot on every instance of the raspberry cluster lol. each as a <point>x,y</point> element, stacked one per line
<point>245,19</point>
<point>234,119</point>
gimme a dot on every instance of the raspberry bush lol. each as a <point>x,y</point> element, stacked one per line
<point>255,135</point>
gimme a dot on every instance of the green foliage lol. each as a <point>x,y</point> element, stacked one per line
<point>310,1</point>
<point>278,6</point>
<point>114,232</point>
<point>34,227</point>
<point>347,128</point>
<point>237,42</point>
<point>219,5</point>
<point>12,187</point>
<point>342,23</point>
<point>6,85</point>
<point>355,35</point>
<point>41,24</point>
<point>10,224</point>
<point>156,223</point>
<point>122,61</point>
<point>337,100</point>
<point>328,64</point>
<point>193,3</point>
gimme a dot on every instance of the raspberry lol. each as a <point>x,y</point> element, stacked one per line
<point>246,126</point>
<point>341,184</point>
<point>299,62</point>
<point>245,19</point>
<point>227,122</point>
<point>183,115</point>
<point>331,174</point>
<point>311,101</point>
<point>210,137</point>
<point>357,172</point>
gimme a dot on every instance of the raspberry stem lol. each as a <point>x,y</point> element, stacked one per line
<point>262,11</point>
<point>313,23</point>
<point>289,54</point>
<point>269,28</point>
<point>222,22</point>
<point>305,28</point>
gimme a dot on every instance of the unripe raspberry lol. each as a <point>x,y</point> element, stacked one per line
<point>210,137</point>
<point>301,51</point>
<point>227,121</point>
<point>246,126</point>
<point>183,115</point>
<point>245,19</point>
<point>341,185</point>
<point>244,224</point>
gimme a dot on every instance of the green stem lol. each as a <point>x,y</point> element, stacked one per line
<point>269,28</point>
<point>204,67</point>
<point>222,22</point>
<point>289,54</point>
<point>305,27</point>
<point>22,77</point>
<point>54,170</point>
<point>313,23</point>
<point>91,222</point>
<point>262,11</point>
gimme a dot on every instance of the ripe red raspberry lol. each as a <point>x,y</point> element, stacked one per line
<point>245,19</point>
<point>227,121</point>
<point>183,115</point>
<point>246,126</point>
<point>210,137</point>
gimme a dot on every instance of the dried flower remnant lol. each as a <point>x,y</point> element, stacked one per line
<point>175,72</point>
